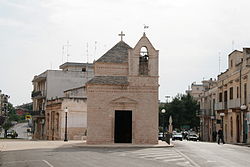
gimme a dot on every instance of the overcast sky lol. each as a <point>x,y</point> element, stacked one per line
<point>190,35</point>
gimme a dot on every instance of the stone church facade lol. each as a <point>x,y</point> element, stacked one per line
<point>122,105</point>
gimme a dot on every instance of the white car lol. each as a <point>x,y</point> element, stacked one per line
<point>177,136</point>
<point>193,137</point>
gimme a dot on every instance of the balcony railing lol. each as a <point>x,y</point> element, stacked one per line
<point>225,105</point>
<point>219,106</point>
<point>234,103</point>
<point>38,113</point>
<point>38,94</point>
<point>204,112</point>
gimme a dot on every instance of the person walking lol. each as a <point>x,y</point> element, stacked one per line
<point>220,136</point>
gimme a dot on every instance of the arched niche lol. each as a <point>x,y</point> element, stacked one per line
<point>143,61</point>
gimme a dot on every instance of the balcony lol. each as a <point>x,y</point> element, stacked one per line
<point>225,105</point>
<point>204,112</point>
<point>219,106</point>
<point>234,103</point>
<point>38,94</point>
<point>40,113</point>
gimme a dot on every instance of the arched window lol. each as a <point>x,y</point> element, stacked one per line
<point>143,61</point>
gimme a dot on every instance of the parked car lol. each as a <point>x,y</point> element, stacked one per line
<point>177,136</point>
<point>193,137</point>
<point>160,136</point>
<point>12,134</point>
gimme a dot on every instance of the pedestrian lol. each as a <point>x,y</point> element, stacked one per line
<point>220,136</point>
<point>214,134</point>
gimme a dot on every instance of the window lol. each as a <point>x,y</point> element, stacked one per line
<point>225,96</point>
<point>231,93</point>
<point>231,63</point>
<point>213,106</point>
<point>245,93</point>
<point>143,61</point>
<point>220,97</point>
<point>84,69</point>
<point>237,92</point>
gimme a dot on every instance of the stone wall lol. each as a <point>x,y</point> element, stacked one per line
<point>101,110</point>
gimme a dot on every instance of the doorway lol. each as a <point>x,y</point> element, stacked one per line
<point>238,128</point>
<point>123,126</point>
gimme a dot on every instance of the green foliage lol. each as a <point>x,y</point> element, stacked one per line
<point>183,110</point>
<point>12,113</point>
<point>7,125</point>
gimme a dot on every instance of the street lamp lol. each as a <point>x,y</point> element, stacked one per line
<point>66,119</point>
<point>243,108</point>
<point>163,112</point>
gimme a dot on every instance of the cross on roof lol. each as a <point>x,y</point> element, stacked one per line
<point>121,34</point>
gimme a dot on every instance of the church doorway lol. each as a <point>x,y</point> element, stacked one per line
<point>123,126</point>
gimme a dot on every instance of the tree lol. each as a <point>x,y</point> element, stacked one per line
<point>6,126</point>
<point>11,116</point>
<point>183,111</point>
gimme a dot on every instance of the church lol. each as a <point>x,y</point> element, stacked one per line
<point>122,105</point>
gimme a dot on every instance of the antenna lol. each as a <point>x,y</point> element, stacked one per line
<point>232,45</point>
<point>87,52</point>
<point>62,53</point>
<point>95,50</point>
<point>68,45</point>
<point>219,62</point>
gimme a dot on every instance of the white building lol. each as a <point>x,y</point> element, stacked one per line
<point>51,84</point>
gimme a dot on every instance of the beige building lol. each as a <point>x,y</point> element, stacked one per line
<point>51,84</point>
<point>75,101</point>
<point>207,101</point>
<point>122,104</point>
<point>229,100</point>
<point>196,90</point>
<point>233,97</point>
<point>205,94</point>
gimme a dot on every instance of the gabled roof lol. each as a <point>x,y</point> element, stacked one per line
<point>109,80</point>
<point>235,52</point>
<point>117,54</point>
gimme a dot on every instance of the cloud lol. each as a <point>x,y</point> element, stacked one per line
<point>10,22</point>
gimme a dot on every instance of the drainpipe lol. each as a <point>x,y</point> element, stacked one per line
<point>240,99</point>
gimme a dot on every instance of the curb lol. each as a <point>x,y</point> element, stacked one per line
<point>244,145</point>
<point>121,146</point>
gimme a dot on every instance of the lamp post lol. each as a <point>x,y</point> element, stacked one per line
<point>66,119</point>
<point>163,112</point>
<point>243,109</point>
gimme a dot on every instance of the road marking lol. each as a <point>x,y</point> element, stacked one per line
<point>49,164</point>
<point>186,164</point>
<point>152,156</point>
<point>190,160</point>
<point>20,161</point>
<point>159,158</point>
<point>177,159</point>
<point>160,154</point>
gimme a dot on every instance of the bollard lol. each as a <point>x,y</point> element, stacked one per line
<point>167,138</point>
